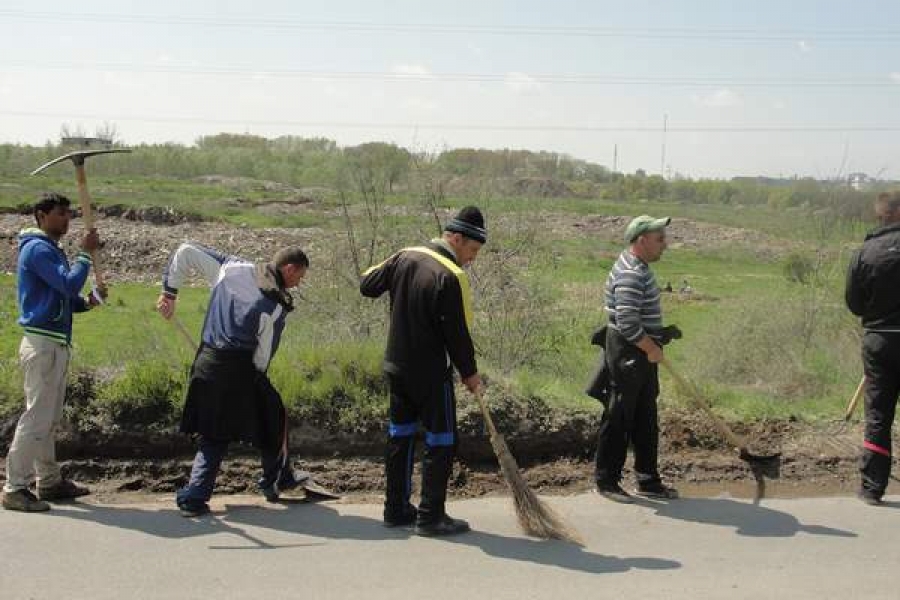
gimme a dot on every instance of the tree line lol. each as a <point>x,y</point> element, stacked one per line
<point>303,161</point>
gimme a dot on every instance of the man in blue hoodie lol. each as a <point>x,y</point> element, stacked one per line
<point>48,293</point>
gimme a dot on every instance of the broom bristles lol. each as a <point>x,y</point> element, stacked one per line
<point>535,517</point>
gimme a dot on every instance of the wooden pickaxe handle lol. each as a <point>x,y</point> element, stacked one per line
<point>87,214</point>
<point>851,406</point>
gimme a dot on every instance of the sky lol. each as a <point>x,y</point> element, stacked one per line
<point>773,88</point>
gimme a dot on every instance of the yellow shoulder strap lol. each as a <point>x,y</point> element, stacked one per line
<point>461,275</point>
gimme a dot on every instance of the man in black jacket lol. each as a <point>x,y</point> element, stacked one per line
<point>431,320</point>
<point>873,293</point>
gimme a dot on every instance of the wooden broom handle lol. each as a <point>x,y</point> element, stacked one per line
<point>704,405</point>
<point>851,406</point>
<point>487,415</point>
<point>185,334</point>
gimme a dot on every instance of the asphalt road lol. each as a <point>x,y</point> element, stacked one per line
<point>690,548</point>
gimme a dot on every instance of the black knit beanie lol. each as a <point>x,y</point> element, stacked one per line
<point>470,222</point>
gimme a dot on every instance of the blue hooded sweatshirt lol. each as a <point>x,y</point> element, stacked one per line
<point>48,288</point>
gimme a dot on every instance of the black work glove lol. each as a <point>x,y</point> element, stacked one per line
<point>672,332</point>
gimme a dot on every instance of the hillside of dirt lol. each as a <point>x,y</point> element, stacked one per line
<point>137,242</point>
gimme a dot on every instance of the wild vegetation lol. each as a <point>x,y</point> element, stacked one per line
<point>760,263</point>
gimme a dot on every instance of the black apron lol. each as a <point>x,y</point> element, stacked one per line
<point>229,400</point>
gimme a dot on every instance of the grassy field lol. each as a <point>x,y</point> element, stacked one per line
<point>759,344</point>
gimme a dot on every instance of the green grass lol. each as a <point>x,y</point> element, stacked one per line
<point>741,342</point>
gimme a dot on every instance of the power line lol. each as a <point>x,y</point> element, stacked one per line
<point>422,77</point>
<point>465,126</point>
<point>285,22</point>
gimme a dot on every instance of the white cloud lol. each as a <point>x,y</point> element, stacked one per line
<point>521,82</point>
<point>779,105</point>
<point>895,76</point>
<point>804,46</point>
<point>411,70</point>
<point>722,98</point>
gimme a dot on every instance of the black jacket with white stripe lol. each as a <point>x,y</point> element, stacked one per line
<point>873,280</point>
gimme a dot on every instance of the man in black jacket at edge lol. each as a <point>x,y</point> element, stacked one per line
<point>430,324</point>
<point>873,293</point>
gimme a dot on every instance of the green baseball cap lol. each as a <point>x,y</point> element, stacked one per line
<point>643,224</point>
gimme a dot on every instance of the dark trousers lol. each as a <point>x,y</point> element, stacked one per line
<point>630,417</point>
<point>434,406</point>
<point>881,361</point>
<point>276,468</point>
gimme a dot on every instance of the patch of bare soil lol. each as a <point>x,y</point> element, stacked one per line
<point>137,250</point>
<point>691,457</point>
<point>684,233</point>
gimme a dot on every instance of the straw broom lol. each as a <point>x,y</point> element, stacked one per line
<point>535,518</point>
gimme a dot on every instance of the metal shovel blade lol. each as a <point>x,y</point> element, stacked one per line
<point>762,465</point>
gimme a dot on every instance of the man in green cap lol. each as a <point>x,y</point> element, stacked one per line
<point>634,340</point>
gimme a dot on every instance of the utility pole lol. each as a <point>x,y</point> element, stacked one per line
<point>662,163</point>
<point>615,158</point>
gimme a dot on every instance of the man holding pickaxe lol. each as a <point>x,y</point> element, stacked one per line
<point>48,293</point>
<point>48,290</point>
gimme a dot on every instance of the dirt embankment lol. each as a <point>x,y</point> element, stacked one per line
<point>555,452</point>
<point>687,233</point>
<point>137,250</point>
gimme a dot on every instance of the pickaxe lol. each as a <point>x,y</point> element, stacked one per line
<point>84,196</point>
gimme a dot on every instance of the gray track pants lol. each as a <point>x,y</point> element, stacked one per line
<point>32,452</point>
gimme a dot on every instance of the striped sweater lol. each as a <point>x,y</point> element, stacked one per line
<point>633,299</point>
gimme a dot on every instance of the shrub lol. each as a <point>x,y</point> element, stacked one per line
<point>148,394</point>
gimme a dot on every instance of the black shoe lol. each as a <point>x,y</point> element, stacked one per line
<point>289,480</point>
<point>404,519</point>
<point>656,491</point>
<point>24,501</point>
<point>444,526</point>
<point>193,509</point>
<point>614,492</point>
<point>64,489</point>
<point>869,497</point>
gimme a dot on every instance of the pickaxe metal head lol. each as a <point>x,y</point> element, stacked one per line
<point>78,157</point>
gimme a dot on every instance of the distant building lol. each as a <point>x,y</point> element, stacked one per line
<point>858,181</point>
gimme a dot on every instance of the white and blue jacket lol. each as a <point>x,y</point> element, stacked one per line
<point>244,308</point>
<point>48,288</point>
